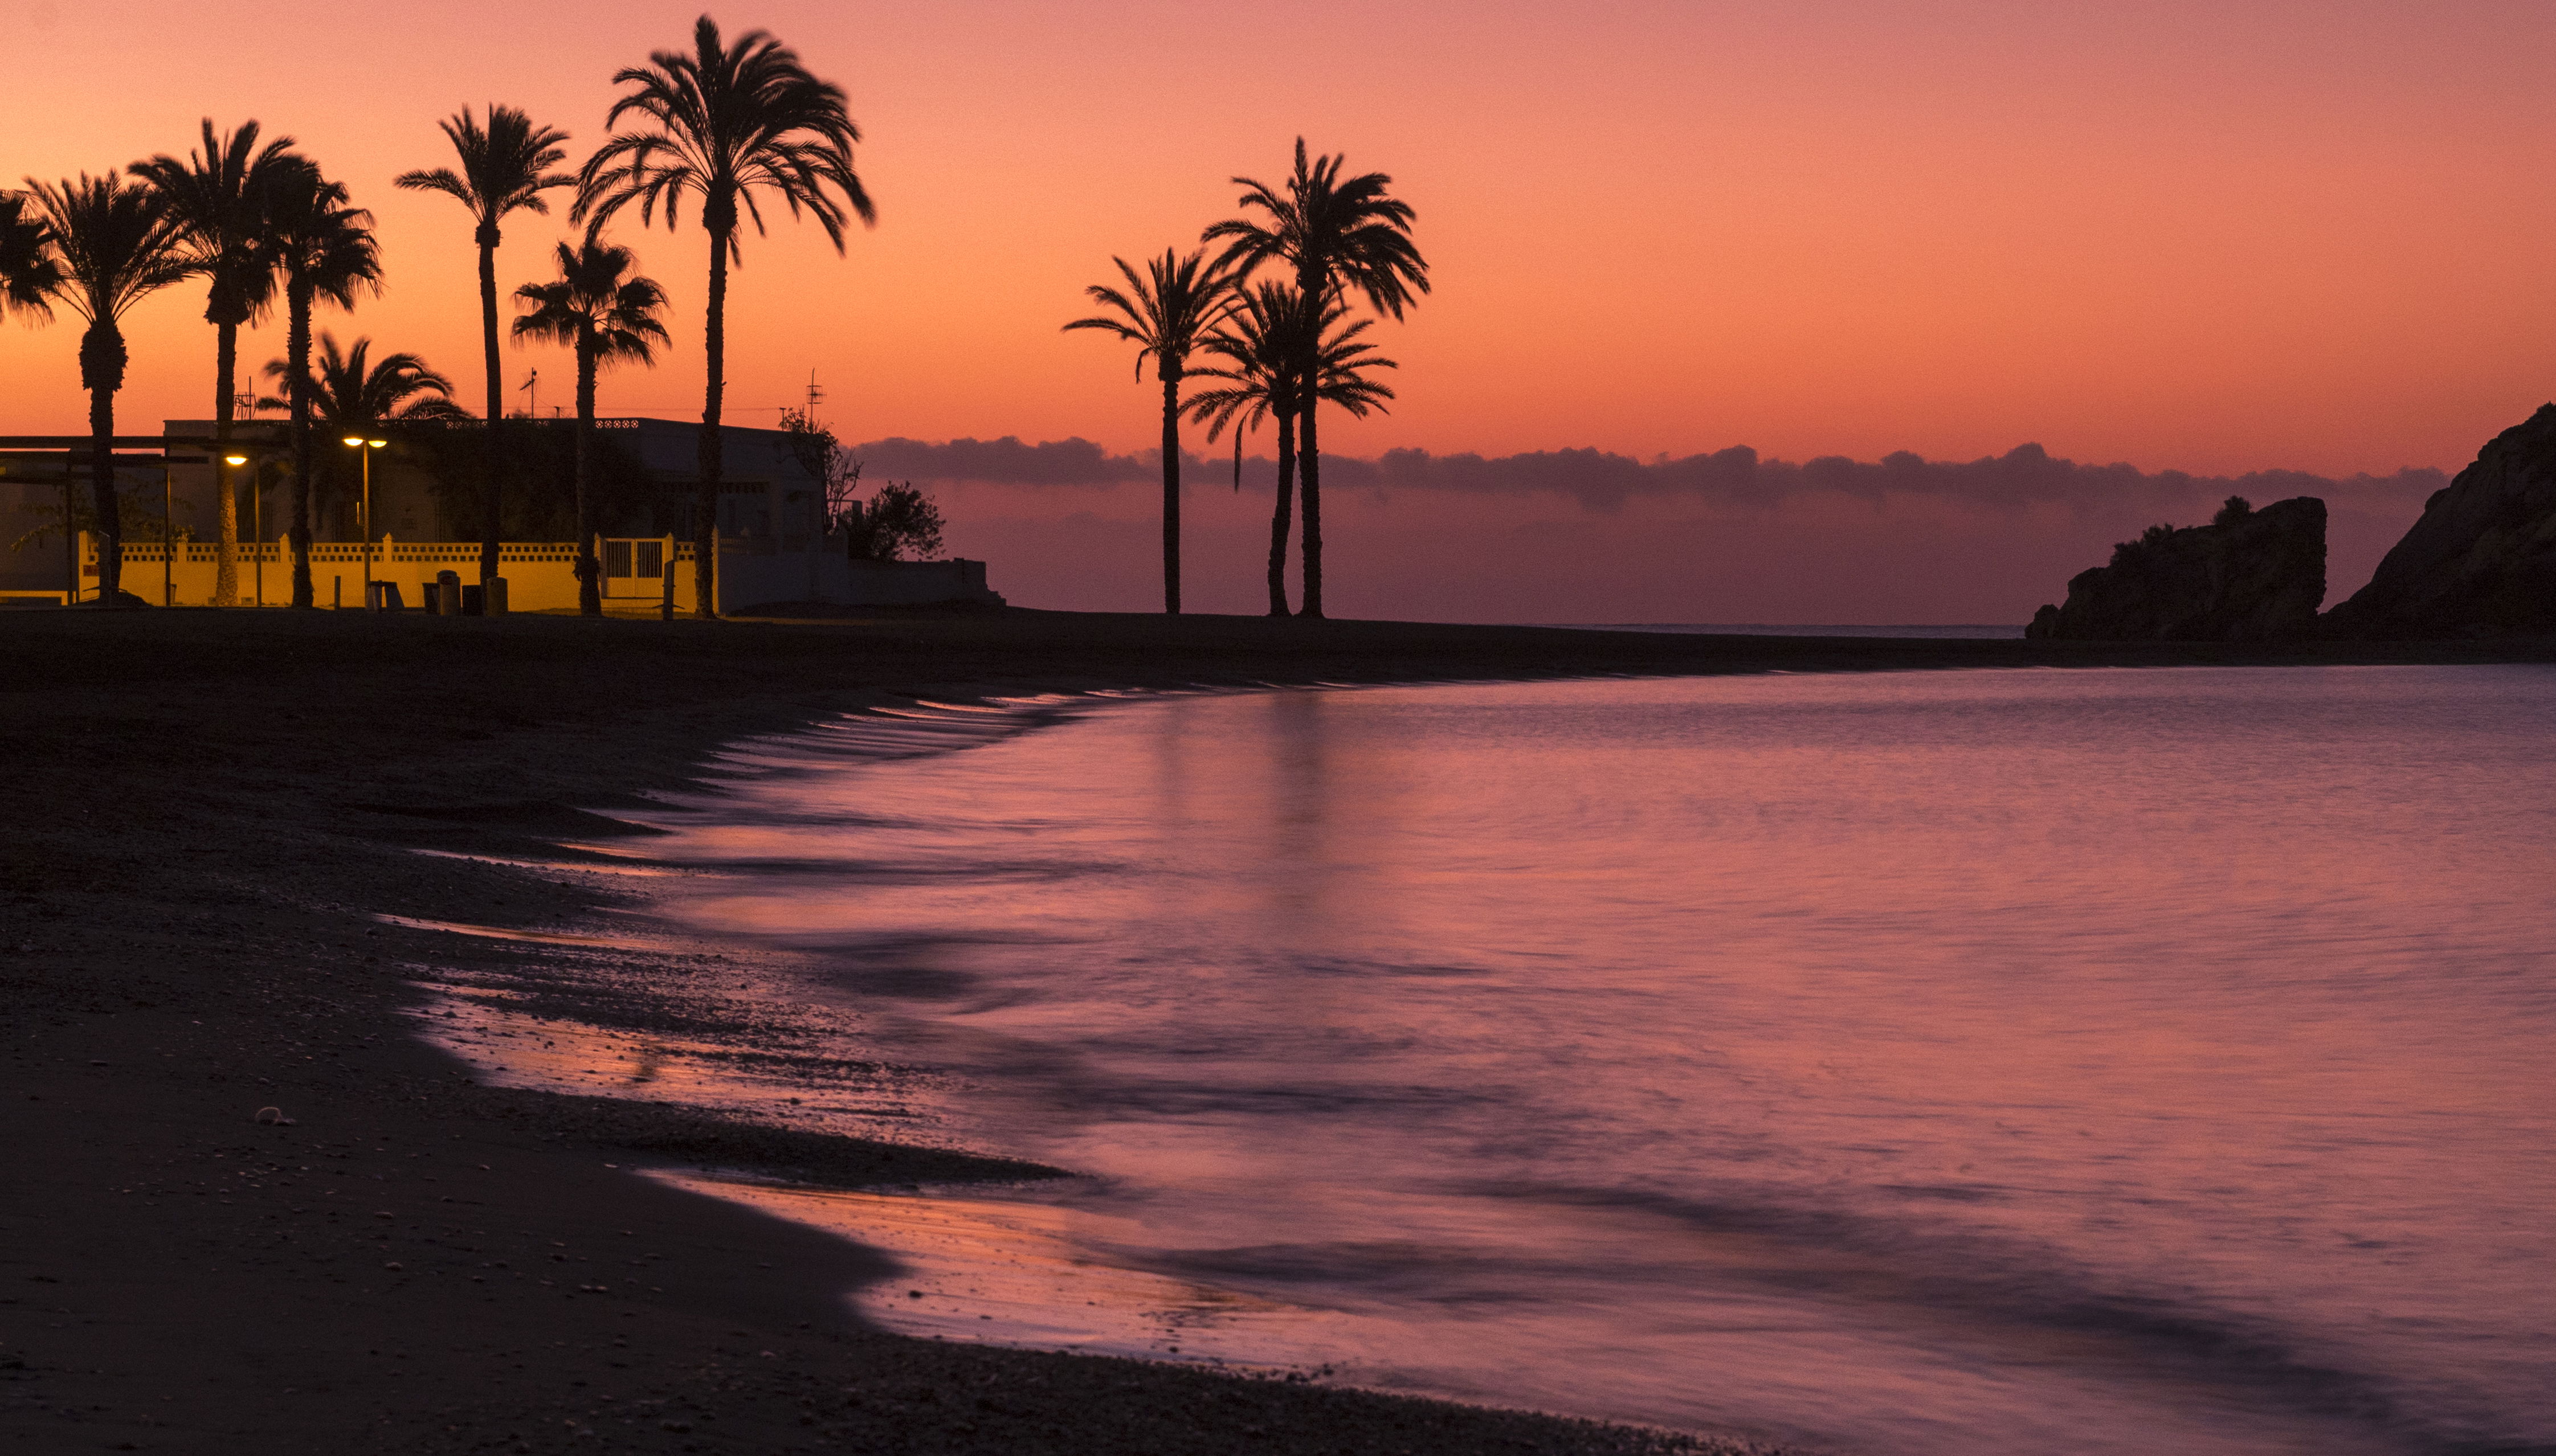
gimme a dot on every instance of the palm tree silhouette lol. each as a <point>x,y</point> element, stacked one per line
<point>1265,343</point>
<point>1338,234</point>
<point>505,168</point>
<point>720,124</point>
<point>218,201</point>
<point>326,248</point>
<point>1167,313</point>
<point>607,313</point>
<point>1259,342</point>
<point>352,392</point>
<point>110,245</point>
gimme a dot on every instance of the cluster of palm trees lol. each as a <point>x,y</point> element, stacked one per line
<point>1280,347</point>
<point>725,126</point>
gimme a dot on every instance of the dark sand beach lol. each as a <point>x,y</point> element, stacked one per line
<point>208,813</point>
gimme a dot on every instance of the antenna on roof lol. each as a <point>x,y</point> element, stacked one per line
<point>531,386</point>
<point>815,395</point>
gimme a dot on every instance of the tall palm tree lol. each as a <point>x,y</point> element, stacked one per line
<point>1167,313</point>
<point>324,245</point>
<point>352,392</point>
<point>1338,234</point>
<point>218,201</point>
<point>601,307</point>
<point>720,124</point>
<point>1263,344</point>
<point>505,168</point>
<point>112,245</point>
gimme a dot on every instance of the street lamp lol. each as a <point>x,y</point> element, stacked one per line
<point>257,524</point>
<point>365,448</point>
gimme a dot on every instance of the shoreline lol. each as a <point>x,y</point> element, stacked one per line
<point>211,811</point>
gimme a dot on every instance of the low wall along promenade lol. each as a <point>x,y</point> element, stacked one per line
<point>540,576</point>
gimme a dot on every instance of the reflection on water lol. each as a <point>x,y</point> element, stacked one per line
<point>2026,1061</point>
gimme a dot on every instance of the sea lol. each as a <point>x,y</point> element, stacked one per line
<point>1923,1062</point>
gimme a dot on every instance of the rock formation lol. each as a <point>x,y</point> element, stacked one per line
<point>2248,576</point>
<point>2482,560</point>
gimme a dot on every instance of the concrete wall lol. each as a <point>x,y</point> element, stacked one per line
<point>540,576</point>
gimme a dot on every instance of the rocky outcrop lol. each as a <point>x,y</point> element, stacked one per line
<point>2482,560</point>
<point>2248,576</point>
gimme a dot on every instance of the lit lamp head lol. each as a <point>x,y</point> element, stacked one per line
<point>375,443</point>
<point>234,459</point>
<point>356,439</point>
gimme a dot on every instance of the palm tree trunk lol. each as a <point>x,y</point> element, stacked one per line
<point>706,506</point>
<point>101,435</point>
<point>226,498</point>
<point>1309,463</point>
<point>1171,374</point>
<point>1278,521</point>
<point>590,571</point>
<point>496,404</point>
<point>297,348</point>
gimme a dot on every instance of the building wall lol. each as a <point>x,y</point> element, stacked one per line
<point>540,576</point>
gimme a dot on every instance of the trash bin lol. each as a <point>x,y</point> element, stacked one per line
<point>496,595</point>
<point>447,593</point>
<point>475,599</point>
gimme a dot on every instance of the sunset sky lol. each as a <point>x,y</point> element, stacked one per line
<point>2210,238</point>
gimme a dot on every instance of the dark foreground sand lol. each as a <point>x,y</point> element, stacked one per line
<point>205,812</point>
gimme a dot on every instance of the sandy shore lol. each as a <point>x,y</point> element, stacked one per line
<point>207,814</point>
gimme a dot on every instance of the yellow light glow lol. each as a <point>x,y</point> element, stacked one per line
<point>354,440</point>
<point>377,444</point>
<point>234,459</point>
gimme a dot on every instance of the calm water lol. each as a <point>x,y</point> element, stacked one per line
<point>1779,628</point>
<point>2022,1061</point>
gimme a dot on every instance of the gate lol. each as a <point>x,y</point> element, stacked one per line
<point>634,567</point>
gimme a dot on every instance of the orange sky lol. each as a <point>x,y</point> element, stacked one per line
<point>2212,237</point>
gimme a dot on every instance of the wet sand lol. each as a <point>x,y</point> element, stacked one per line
<point>207,815</point>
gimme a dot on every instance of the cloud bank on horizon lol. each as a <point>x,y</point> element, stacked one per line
<point>1593,535</point>
<point>1602,480</point>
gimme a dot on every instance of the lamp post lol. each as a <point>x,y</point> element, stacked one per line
<point>167,540</point>
<point>257,523</point>
<point>364,449</point>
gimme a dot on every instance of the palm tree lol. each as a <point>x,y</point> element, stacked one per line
<point>607,313</point>
<point>719,124</point>
<point>1167,313</point>
<point>505,168</point>
<point>218,201</point>
<point>1264,344</point>
<point>111,246</point>
<point>352,392</point>
<point>326,247</point>
<point>1338,234</point>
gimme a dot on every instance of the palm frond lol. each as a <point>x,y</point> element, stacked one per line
<point>1168,310</point>
<point>29,268</point>
<point>505,166</point>
<point>112,244</point>
<point>728,125</point>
